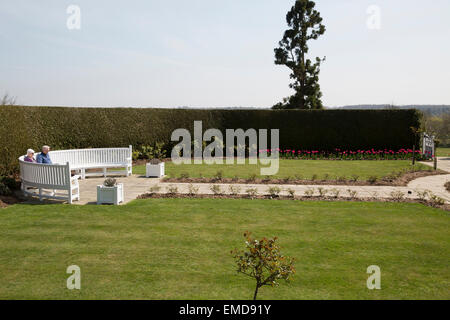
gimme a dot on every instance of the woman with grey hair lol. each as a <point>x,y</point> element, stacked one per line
<point>30,156</point>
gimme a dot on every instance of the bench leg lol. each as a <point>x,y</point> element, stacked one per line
<point>104,172</point>
<point>75,195</point>
<point>40,194</point>
<point>83,174</point>
<point>70,196</point>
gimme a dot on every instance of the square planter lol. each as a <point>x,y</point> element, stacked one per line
<point>110,195</point>
<point>154,170</point>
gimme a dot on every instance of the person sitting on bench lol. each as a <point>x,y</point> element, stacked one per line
<point>30,156</point>
<point>44,157</point>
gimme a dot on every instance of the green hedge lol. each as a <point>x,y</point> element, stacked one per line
<point>63,128</point>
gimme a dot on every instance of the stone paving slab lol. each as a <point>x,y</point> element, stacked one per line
<point>443,163</point>
<point>137,185</point>
<point>134,186</point>
<point>436,184</point>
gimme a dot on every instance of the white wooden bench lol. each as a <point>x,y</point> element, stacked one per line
<point>47,179</point>
<point>57,176</point>
<point>102,158</point>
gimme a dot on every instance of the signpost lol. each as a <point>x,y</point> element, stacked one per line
<point>428,146</point>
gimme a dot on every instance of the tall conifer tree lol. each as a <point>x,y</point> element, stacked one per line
<point>305,24</point>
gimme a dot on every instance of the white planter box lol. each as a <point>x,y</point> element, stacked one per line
<point>154,170</point>
<point>110,195</point>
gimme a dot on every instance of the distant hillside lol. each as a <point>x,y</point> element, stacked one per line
<point>435,110</point>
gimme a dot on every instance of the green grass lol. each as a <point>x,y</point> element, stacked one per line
<point>179,249</point>
<point>443,152</point>
<point>290,168</point>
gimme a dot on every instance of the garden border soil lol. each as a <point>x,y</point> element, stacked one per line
<point>401,181</point>
<point>445,207</point>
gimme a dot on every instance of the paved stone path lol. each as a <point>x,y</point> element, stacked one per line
<point>136,185</point>
<point>434,183</point>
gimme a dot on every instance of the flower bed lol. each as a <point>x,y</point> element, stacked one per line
<point>339,154</point>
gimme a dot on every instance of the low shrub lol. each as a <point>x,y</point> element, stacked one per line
<point>267,179</point>
<point>193,190</point>
<point>155,151</point>
<point>423,195</point>
<point>397,195</point>
<point>291,192</point>
<point>372,179</point>
<point>155,161</point>
<point>184,175</point>
<point>436,201</point>
<point>352,193</point>
<point>390,177</point>
<point>309,192</point>
<point>172,189</point>
<point>234,190</point>
<point>322,191</point>
<point>274,192</point>
<point>154,189</point>
<point>8,185</point>
<point>110,182</point>
<point>252,192</point>
<point>219,175</point>
<point>4,190</point>
<point>216,189</point>
<point>335,192</point>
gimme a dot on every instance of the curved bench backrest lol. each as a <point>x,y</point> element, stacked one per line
<point>44,175</point>
<point>80,157</point>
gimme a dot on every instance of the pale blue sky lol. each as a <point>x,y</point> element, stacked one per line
<point>218,53</point>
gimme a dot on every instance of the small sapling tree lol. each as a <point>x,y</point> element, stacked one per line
<point>263,261</point>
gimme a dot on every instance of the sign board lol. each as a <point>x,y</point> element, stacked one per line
<point>428,146</point>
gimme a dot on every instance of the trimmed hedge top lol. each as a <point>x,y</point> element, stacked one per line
<point>66,128</point>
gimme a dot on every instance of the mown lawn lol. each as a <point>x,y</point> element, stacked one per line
<point>443,152</point>
<point>179,249</point>
<point>306,169</point>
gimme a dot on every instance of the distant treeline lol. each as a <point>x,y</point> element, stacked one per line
<point>434,110</point>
